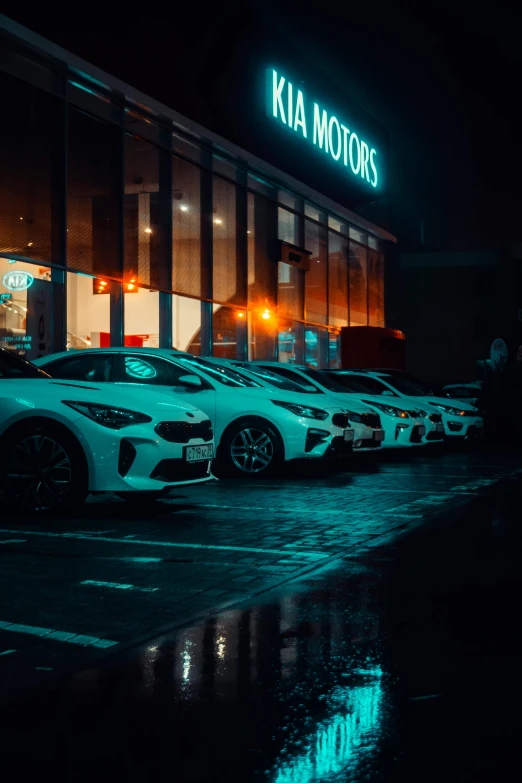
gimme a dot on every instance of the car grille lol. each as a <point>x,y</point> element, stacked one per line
<point>183,431</point>
<point>436,418</point>
<point>371,420</point>
<point>415,436</point>
<point>341,420</point>
<point>340,446</point>
<point>179,470</point>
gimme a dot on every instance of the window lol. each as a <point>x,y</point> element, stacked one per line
<point>290,290</point>
<point>14,367</point>
<point>141,312</point>
<point>146,205</point>
<point>349,383</point>
<point>338,293</point>
<point>93,196</point>
<point>26,308</point>
<point>315,277</point>
<point>262,278</point>
<point>334,350</point>
<point>151,370</point>
<point>296,378</point>
<point>316,346</point>
<point>224,242</point>
<point>274,379</point>
<point>92,367</point>
<point>358,286</point>
<point>223,375</point>
<point>88,311</point>
<point>290,341</point>
<point>325,379</point>
<point>186,324</point>
<point>375,288</point>
<point>186,228</point>
<point>228,332</point>
<point>372,385</point>
<point>287,226</point>
<point>409,386</point>
<point>31,150</point>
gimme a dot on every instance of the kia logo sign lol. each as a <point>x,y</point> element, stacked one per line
<point>17,280</point>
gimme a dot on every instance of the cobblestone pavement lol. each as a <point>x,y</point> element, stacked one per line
<point>75,588</point>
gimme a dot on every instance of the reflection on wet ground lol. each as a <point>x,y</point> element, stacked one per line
<point>401,665</point>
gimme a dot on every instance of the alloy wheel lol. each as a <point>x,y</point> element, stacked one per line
<point>39,472</point>
<point>252,450</point>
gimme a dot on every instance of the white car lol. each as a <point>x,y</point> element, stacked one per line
<point>255,432</point>
<point>460,419</point>
<point>61,440</point>
<point>366,422</point>
<point>467,392</point>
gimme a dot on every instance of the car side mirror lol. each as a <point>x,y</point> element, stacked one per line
<point>191,380</point>
<point>387,393</point>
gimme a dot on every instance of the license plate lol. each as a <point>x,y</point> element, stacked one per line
<point>378,435</point>
<point>199,453</point>
<point>439,427</point>
<point>422,430</point>
<point>348,434</point>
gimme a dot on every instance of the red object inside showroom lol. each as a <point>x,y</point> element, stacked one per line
<point>371,347</point>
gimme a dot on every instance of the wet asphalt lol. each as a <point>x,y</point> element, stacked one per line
<point>399,661</point>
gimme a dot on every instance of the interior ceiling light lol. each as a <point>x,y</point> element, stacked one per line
<point>218,221</point>
<point>148,231</point>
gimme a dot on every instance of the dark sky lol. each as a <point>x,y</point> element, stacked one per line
<point>442,77</point>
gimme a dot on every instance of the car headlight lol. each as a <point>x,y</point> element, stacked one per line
<point>108,415</point>
<point>391,410</point>
<point>302,410</point>
<point>450,409</point>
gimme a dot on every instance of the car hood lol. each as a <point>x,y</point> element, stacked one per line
<point>465,406</point>
<point>41,391</point>
<point>314,400</point>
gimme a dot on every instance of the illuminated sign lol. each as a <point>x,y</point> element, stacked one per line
<point>324,130</point>
<point>16,280</point>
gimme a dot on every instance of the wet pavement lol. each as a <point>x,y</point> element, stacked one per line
<point>393,655</point>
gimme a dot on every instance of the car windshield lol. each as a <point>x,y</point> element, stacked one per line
<point>270,377</point>
<point>349,384</point>
<point>326,380</point>
<point>13,366</point>
<point>412,388</point>
<point>219,373</point>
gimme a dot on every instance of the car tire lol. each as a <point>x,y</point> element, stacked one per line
<point>250,448</point>
<point>43,468</point>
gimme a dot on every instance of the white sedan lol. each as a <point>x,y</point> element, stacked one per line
<point>365,420</point>
<point>255,432</point>
<point>460,419</point>
<point>60,440</point>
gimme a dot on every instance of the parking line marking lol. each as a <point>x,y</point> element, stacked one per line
<point>119,586</point>
<point>7,652</point>
<point>60,636</point>
<point>14,541</point>
<point>170,544</point>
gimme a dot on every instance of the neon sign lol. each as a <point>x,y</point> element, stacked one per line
<point>316,125</point>
<point>17,280</point>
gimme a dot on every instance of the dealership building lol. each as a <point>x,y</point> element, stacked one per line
<point>123,222</point>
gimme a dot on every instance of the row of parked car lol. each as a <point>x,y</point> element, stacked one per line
<point>139,422</point>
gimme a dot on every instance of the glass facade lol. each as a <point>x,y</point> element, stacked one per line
<point>124,231</point>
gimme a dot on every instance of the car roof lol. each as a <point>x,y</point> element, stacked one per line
<point>170,352</point>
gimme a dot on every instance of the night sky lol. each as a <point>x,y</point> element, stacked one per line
<point>441,77</point>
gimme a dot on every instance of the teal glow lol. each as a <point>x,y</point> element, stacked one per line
<point>342,741</point>
<point>84,88</point>
<point>288,106</point>
<point>138,368</point>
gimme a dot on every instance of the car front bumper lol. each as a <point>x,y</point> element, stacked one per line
<point>463,427</point>
<point>404,433</point>
<point>136,458</point>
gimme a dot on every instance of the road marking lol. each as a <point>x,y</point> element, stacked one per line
<point>7,652</point>
<point>60,636</point>
<point>14,541</point>
<point>169,544</point>
<point>118,586</point>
